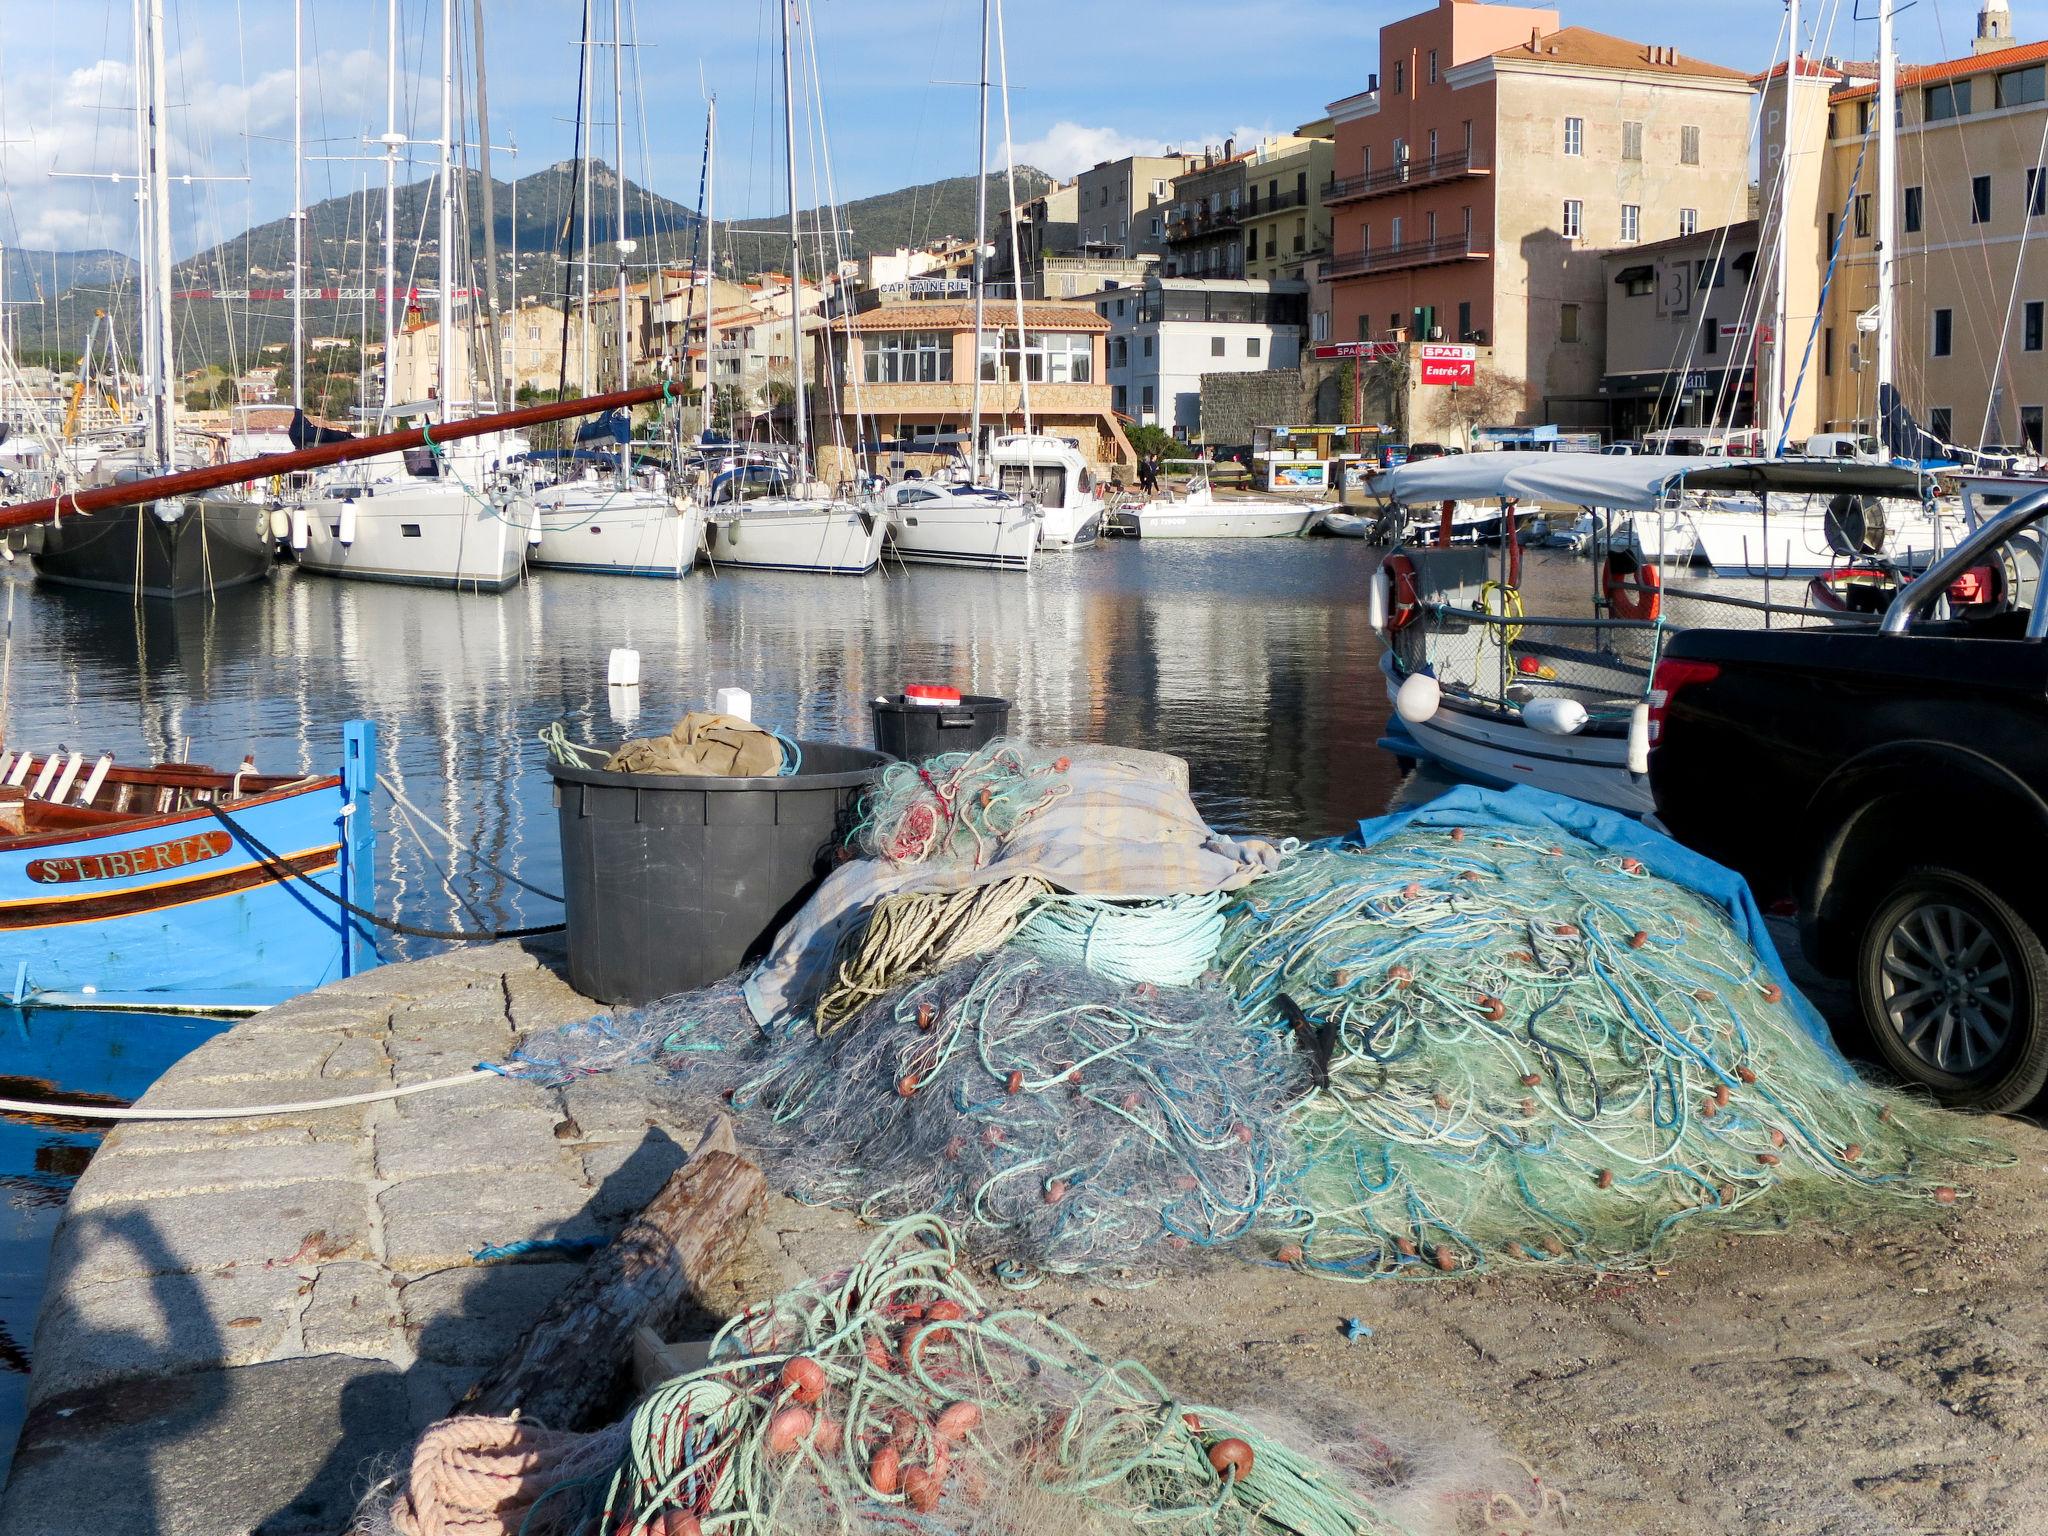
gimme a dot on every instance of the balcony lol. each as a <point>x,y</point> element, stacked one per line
<point>1199,224</point>
<point>1405,177</point>
<point>1279,202</point>
<point>1401,258</point>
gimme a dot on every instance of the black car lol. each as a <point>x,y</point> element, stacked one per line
<point>1891,780</point>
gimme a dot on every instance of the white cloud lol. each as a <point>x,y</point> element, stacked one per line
<point>1068,147</point>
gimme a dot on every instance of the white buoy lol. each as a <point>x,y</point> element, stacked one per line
<point>1555,717</point>
<point>624,669</point>
<point>1639,740</point>
<point>1376,600</point>
<point>1419,698</point>
<point>736,702</point>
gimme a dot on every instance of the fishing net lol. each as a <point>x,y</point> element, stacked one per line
<point>1171,943</point>
<point>1066,1122</point>
<point>1539,1052</point>
<point>918,933</point>
<point>959,809</point>
<point>897,1398</point>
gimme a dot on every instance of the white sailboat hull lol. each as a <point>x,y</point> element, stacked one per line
<point>833,538</point>
<point>998,536</point>
<point>434,534</point>
<point>617,533</point>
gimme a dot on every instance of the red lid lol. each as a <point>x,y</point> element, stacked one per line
<point>927,693</point>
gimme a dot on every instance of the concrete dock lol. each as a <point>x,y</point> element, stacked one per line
<point>247,1322</point>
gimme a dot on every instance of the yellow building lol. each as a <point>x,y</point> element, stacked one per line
<point>1286,225</point>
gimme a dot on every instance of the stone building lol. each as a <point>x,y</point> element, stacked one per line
<point>1120,205</point>
<point>903,373</point>
<point>1203,233</point>
<point>1610,143</point>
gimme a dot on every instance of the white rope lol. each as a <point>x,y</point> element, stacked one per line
<point>249,1112</point>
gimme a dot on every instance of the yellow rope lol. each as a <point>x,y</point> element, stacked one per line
<point>921,932</point>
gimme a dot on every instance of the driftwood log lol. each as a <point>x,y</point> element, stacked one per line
<point>568,1366</point>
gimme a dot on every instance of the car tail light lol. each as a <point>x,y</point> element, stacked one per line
<point>1672,675</point>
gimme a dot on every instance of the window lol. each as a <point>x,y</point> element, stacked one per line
<point>910,357</point>
<point>1639,282</point>
<point>1688,221</point>
<point>1689,145</point>
<point>1432,72</point>
<point>1429,226</point>
<point>1400,76</point>
<point>1432,146</point>
<point>1941,423</point>
<point>1913,211</point>
<point>1568,322</point>
<point>1319,325</point>
<point>1120,400</point>
<point>2031,324</point>
<point>1946,101</point>
<point>1148,397</point>
<point>1575,135</point>
<point>1148,346</point>
<point>1710,337</point>
<point>1834,224</point>
<point>1045,357</point>
<point>1251,346</point>
<point>1862,211</point>
<point>1465,320</point>
<point>1631,223</point>
<point>1980,199</point>
<point>1367,167</point>
<point>2019,87</point>
<point>1397,231</point>
<point>1120,353</point>
<point>1712,273</point>
<point>2030,426</point>
<point>2037,191</point>
<point>1827,353</point>
<point>1215,346</point>
<point>1631,141</point>
<point>1944,332</point>
<point>1574,218</point>
<point>1365,327</point>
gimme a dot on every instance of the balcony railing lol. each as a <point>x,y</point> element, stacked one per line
<point>1395,258</point>
<point>1258,207</point>
<point>1405,177</point>
<point>1199,224</point>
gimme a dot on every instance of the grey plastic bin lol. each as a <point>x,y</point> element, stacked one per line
<point>674,882</point>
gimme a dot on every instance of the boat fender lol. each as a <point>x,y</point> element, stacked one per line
<point>1555,717</point>
<point>1855,525</point>
<point>301,523</point>
<point>1407,598</point>
<point>533,529</point>
<point>732,533</point>
<point>1418,698</point>
<point>1376,599</point>
<point>345,530</point>
<point>1639,740</point>
<point>1623,582</point>
<point>280,523</point>
<point>167,511</point>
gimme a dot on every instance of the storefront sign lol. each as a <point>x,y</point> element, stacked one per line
<point>1326,351</point>
<point>1449,363</point>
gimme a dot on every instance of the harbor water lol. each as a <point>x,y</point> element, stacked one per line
<point>1253,661</point>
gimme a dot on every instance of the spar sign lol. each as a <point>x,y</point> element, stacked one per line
<point>1449,363</point>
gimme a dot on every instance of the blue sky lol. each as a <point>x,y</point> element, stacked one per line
<point>1089,81</point>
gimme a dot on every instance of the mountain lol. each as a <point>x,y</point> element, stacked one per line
<point>538,217</point>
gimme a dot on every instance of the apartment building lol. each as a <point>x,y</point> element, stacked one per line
<point>1971,270</point>
<point>1286,225</point>
<point>1203,234</point>
<point>1120,205</point>
<point>1678,313</point>
<point>1610,143</point>
<point>1164,336</point>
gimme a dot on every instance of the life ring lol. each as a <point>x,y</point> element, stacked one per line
<point>1623,583</point>
<point>1406,596</point>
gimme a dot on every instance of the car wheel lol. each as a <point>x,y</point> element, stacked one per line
<point>1952,983</point>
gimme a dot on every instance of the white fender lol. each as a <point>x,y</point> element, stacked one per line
<point>1378,597</point>
<point>280,523</point>
<point>1639,740</point>
<point>1418,698</point>
<point>1555,717</point>
<point>623,670</point>
<point>301,527</point>
<point>347,534</point>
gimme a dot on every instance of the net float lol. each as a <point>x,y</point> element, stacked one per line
<point>1632,866</point>
<point>1472,874</point>
<point>1557,853</point>
<point>943,1312</point>
<point>1446,1260</point>
<point>1768,1159</point>
<point>1177,1243</point>
<point>927,1016</point>
<point>1405,1246</point>
<point>1708,1105</point>
<point>1721,1094</point>
<point>1777,1137</point>
<point>1194,1424</point>
<point>1884,1115</point>
<point>680,1522</point>
<point>1749,1076</point>
<point>1493,1008</point>
<point>1186,1182</point>
<point>1243,1133</point>
<point>955,1148</point>
<point>906,1085</point>
<point>1566,931</point>
<point>787,1429</point>
<point>1703,995</point>
<point>803,1379</point>
<point>991,1136</point>
<point>1531,1079</point>
<point>1074,1075</point>
<point>1400,975</point>
<point>1290,1254</point>
<point>1773,993</point>
<point>1638,939</point>
<point>1457,834</point>
<point>1725,1194</point>
<point>1441,1101</point>
<point>829,1438</point>
<point>955,1420</point>
<point>903,1428</point>
<point>1056,1191</point>
<point>882,1471</point>
<point>878,1354</point>
<point>1552,1246</point>
<point>1521,957</point>
<point>1852,1152</point>
<point>1231,1458</point>
<point>1411,891</point>
<point>1606,1179</point>
<point>920,1490</point>
<point>1132,1102</point>
<point>1943,1195</point>
<point>1015,1084</point>
<point>1060,765</point>
<point>988,797</point>
<point>1528,1108</point>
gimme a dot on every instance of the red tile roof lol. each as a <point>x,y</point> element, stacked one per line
<point>1582,45</point>
<point>1955,69</point>
<point>947,316</point>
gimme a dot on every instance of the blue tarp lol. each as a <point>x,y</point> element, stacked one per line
<point>1535,809</point>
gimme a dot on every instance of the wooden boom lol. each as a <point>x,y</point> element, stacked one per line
<point>189,482</point>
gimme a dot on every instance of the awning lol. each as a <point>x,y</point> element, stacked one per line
<point>1631,482</point>
<point>1635,274</point>
<point>1815,477</point>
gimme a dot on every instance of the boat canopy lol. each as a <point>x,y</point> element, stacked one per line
<point>1632,483</point>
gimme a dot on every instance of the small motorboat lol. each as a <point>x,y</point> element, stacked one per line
<point>180,888</point>
<point>1346,525</point>
<point>933,522</point>
<point>1198,513</point>
<point>1049,475</point>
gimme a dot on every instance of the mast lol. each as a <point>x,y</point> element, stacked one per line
<point>145,240</point>
<point>980,242</point>
<point>1887,217</point>
<point>1781,322</point>
<point>710,265</point>
<point>619,179</point>
<point>391,143</point>
<point>589,380</point>
<point>1010,180</point>
<point>298,205</point>
<point>493,341</point>
<point>444,365</point>
<point>159,194</point>
<point>796,250</point>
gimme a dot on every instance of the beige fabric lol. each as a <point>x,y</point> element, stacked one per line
<point>703,745</point>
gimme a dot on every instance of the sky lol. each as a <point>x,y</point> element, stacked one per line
<point>1088,82</point>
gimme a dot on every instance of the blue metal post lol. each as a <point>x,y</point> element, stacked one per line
<point>358,870</point>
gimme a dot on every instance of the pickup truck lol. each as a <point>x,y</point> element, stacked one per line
<point>1891,782</point>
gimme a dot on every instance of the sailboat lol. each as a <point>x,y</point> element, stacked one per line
<point>174,547</point>
<point>610,516</point>
<point>442,516</point>
<point>806,530</point>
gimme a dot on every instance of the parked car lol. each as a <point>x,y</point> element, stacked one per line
<point>1892,781</point>
<point>1622,448</point>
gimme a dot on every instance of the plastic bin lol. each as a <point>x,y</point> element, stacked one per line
<point>914,732</point>
<point>672,883</point>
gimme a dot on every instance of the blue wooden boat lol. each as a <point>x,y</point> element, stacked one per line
<point>177,887</point>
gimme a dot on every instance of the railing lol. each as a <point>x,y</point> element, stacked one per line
<point>1405,177</point>
<point>1393,258</point>
<point>1279,202</point>
<point>1192,226</point>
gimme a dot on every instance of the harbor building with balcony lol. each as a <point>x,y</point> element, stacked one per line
<point>1286,223</point>
<point>1611,143</point>
<point>1204,235</point>
<point>1166,335</point>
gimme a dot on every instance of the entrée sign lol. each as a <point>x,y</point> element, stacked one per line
<point>130,861</point>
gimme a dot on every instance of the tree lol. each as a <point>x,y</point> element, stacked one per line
<point>1491,399</point>
<point>1146,439</point>
<point>1386,387</point>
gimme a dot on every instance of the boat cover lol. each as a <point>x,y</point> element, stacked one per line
<point>1629,483</point>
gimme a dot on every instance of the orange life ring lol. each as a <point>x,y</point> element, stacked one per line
<point>1406,597</point>
<point>1622,584</point>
